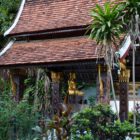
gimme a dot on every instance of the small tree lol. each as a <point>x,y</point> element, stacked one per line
<point>16,120</point>
<point>8,10</point>
<point>106,28</point>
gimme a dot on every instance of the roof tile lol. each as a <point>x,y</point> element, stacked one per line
<point>40,15</point>
<point>43,15</point>
<point>50,51</point>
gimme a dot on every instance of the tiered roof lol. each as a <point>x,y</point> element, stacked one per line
<point>42,16</point>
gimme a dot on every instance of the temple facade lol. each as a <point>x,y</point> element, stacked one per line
<point>52,35</point>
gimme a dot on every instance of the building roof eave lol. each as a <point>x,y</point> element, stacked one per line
<point>49,51</point>
<point>5,49</point>
<point>125,47</point>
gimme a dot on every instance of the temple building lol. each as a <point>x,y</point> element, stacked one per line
<point>51,35</point>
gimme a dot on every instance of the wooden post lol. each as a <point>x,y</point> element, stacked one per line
<point>55,85</point>
<point>17,78</point>
<point>123,84</point>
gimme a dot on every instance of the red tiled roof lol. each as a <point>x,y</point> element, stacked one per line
<point>40,15</point>
<point>44,15</point>
<point>50,51</point>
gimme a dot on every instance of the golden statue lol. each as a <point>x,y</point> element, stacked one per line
<point>72,89</point>
<point>125,73</point>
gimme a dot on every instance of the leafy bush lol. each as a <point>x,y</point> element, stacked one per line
<point>62,122</point>
<point>15,118</point>
<point>8,10</point>
<point>99,122</point>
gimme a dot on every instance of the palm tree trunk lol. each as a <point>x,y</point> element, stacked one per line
<point>113,91</point>
<point>134,86</point>
<point>109,61</point>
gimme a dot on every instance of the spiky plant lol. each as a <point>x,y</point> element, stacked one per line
<point>132,17</point>
<point>106,28</point>
<point>62,122</point>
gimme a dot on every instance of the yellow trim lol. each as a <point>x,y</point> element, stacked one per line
<point>100,81</point>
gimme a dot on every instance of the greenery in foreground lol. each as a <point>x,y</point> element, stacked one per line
<point>110,23</point>
<point>99,122</point>
<point>18,118</point>
<point>90,123</point>
<point>8,9</point>
<point>93,122</point>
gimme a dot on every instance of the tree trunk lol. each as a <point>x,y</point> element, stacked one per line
<point>113,91</point>
<point>134,86</point>
<point>109,58</point>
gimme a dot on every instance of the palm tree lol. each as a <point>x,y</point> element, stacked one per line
<point>132,21</point>
<point>106,28</point>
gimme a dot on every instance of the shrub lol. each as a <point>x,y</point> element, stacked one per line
<point>99,122</point>
<point>16,119</point>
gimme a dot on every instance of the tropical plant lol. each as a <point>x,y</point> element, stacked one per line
<point>16,120</point>
<point>106,28</point>
<point>62,122</point>
<point>99,122</point>
<point>19,120</point>
<point>137,113</point>
<point>8,10</point>
<point>42,92</point>
<point>132,8</point>
<point>30,89</point>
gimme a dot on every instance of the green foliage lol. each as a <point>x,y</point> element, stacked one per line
<point>19,115</point>
<point>132,7</point>
<point>110,20</point>
<point>92,101</point>
<point>87,136</point>
<point>130,117</point>
<point>30,89</point>
<point>99,122</point>
<point>25,119</point>
<point>106,25</point>
<point>4,86</point>
<point>62,122</point>
<point>122,129</point>
<point>131,18</point>
<point>8,9</point>
<point>37,93</point>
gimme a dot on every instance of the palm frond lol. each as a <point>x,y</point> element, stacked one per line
<point>106,23</point>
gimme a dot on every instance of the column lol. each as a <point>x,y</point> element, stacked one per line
<point>103,85</point>
<point>17,78</point>
<point>123,87</point>
<point>55,85</point>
